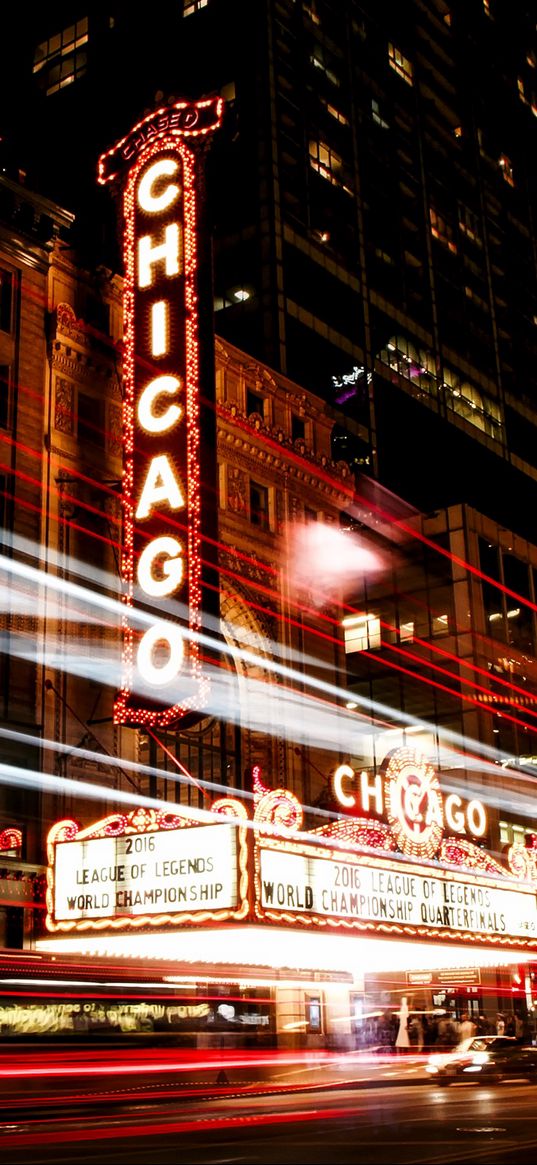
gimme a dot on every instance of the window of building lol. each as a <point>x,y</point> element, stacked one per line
<point>362,633</point>
<point>469,223</point>
<point>259,505</point>
<point>376,114</point>
<point>401,64</point>
<point>473,404</point>
<point>314,1014</point>
<point>439,625</point>
<point>90,420</point>
<point>476,299</point>
<point>506,169</point>
<point>335,113</point>
<point>406,632</point>
<point>255,403</point>
<point>191,6</point>
<point>5,395</point>
<point>320,60</point>
<point>415,364</point>
<point>309,514</point>
<point>310,9</point>
<point>62,58</point>
<point>327,163</point>
<point>298,428</point>
<point>527,95</point>
<point>6,300</point>
<point>442,230</point>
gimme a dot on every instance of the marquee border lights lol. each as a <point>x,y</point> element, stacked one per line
<point>143,822</point>
<point>10,838</point>
<point>162,445</point>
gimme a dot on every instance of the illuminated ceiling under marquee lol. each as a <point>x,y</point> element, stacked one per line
<point>158,165</point>
<point>278,947</point>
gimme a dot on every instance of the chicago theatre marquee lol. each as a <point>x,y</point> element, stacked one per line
<point>401,879</point>
<point>407,889</point>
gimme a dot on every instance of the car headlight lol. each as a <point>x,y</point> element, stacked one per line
<point>480,1057</point>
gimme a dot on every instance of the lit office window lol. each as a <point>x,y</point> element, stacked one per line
<point>362,633</point>
<point>327,163</point>
<point>506,169</point>
<point>335,113</point>
<point>319,60</point>
<point>377,116</point>
<point>442,230</point>
<point>191,6</point>
<point>311,11</point>
<point>473,405</point>
<point>62,58</point>
<point>476,299</point>
<point>469,223</point>
<point>401,64</point>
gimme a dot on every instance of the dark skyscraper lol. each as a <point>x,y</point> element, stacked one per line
<point>373,198</point>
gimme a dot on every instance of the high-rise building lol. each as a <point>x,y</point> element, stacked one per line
<point>373,203</point>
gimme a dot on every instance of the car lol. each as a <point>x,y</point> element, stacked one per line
<point>484,1057</point>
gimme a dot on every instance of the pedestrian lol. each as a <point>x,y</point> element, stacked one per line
<point>500,1024</point>
<point>402,1042</point>
<point>468,1028</point>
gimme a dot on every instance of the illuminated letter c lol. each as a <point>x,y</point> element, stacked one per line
<point>345,799</point>
<point>153,203</point>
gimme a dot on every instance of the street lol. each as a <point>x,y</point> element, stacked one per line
<point>403,1123</point>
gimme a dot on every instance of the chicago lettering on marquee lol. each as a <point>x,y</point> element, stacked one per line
<point>162,675</point>
<point>408,793</point>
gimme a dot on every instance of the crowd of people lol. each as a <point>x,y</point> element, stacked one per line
<point>407,1031</point>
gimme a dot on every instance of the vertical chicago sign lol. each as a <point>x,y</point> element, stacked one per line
<point>159,165</point>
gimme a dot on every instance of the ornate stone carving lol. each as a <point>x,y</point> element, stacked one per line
<point>63,406</point>
<point>236,490</point>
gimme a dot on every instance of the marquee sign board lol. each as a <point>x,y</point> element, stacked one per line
<point>160,165</point>
<point>360,895</point>
<point>145,869</point>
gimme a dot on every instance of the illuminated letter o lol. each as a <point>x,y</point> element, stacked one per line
<point>160,633</point>
<point>477,818</point>
<point>454,816</point>
<point>153,203</point>
<point>345,799</point>
<point>172,569</point>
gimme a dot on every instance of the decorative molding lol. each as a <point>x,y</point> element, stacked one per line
<point>64,421</point>
<point>115,430</point>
